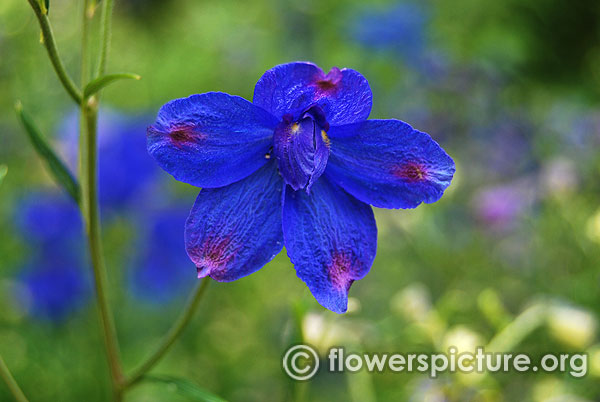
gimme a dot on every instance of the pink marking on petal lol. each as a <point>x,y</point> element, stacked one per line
<point>327,84</point>
<point>412,172</point>
<point>183,134</point>
<point>212,256</point>
<point>340,271</point>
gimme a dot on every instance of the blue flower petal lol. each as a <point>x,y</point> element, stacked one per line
<point>233,231</point>
<point>331,238</point>
<point>211,140</point>
<point>344,95</point>
<point>388,164</point>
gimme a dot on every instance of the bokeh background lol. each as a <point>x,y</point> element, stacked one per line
<point>509,258</point>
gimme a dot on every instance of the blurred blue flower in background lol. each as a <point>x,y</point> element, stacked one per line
<point>54,277</point>
<point>161,272</point>
<point>400,29</point>
<point>54,280</point>
<point>49,220</point>
<point>53,290</point>
<point>126,173</point>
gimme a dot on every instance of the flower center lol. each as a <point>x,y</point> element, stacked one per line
<point>301,147</point>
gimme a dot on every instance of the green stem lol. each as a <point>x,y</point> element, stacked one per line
<point>91,215</point>
<point>89,203</point>
<point>50,44</point>
<point>14,388</point>
<point>85,52</point>
<point>89,185</point>
<point>105,23</point>
<point>171,336</point>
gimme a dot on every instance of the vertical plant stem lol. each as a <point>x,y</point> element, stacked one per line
<point>50,44</point>
<point>14,388</point>
<point>172,335</point>
<point>85,50</point>
<point>106,27</point>
<point>89,187</point>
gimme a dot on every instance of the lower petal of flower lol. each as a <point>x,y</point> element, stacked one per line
<point>235,230</point>
<point>331,238</point>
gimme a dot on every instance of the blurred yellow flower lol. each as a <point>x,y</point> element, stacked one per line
<point>594,359</point>
<point>593,227</point>
<point>412,302</point>
<point>573,326</point>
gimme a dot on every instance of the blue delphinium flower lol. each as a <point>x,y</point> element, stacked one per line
<point>54,283</point>
<point>299,166</point>
<point>160,272</point>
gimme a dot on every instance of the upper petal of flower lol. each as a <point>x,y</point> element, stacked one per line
<point>388,164</point>
<point>344,95</point>
<point>233,231</point>
<point>331,238</point>
<point>211,140</point>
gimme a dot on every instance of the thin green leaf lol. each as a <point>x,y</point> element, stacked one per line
<point>3,172</point>
<point>100,82</point>
<point>185,388</point>
<point>57,168</point>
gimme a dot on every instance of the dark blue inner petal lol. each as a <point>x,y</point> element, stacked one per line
<point>301,147</point>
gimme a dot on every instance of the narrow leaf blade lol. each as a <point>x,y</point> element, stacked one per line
<point>57,168</point>
<point>185,388</point>
<point>3,172</point>
<point>101,82</point>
